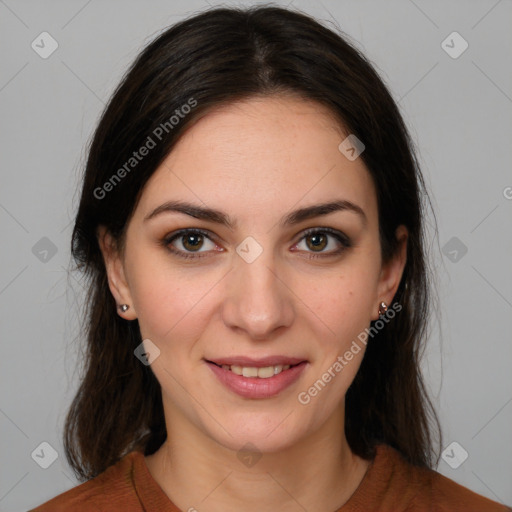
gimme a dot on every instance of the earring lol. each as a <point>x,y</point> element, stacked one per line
<point>383,307</point>
<point>124,308</point>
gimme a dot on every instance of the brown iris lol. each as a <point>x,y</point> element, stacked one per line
<point>318,241</point>
<point>192,241</point>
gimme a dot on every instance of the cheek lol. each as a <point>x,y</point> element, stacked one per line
<point>342,302</point>
<point>167,300</point>
<point>342,308</point>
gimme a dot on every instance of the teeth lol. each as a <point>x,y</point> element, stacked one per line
<point>251,371</point>
<point>236,369</point>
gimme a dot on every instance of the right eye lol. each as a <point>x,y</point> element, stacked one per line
<point>186,242</point>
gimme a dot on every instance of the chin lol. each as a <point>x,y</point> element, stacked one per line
<point>264,434</point>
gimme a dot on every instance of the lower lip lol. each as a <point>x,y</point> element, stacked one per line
<point>254,387</point>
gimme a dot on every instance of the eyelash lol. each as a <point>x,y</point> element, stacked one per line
<point>340,237</point>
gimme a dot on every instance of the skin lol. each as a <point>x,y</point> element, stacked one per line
<point>256,160</point>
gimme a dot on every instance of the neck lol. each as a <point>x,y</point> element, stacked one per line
<point>318,474</point>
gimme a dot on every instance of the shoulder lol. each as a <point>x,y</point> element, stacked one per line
<point>423,486</point>
<point>449,495</point>
<point>114,485</point>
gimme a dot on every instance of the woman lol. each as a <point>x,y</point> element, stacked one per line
<point>251,223</point>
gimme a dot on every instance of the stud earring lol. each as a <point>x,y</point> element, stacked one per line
<point>383,307</point>
<point>124,308</point>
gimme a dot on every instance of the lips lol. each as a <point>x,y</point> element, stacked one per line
<point>251,386</point>
<point>257,363</point>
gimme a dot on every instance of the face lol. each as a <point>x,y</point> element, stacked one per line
<point>247,268</point>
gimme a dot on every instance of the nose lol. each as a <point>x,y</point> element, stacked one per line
<point>259,301</point>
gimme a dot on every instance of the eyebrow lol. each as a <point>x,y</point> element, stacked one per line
<point>219,217</point>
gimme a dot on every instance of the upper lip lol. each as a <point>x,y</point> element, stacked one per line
<point>256,363</point>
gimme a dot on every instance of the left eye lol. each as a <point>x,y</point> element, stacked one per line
<point>322,241</point>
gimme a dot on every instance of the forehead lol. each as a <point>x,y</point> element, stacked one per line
<point>265,154</point>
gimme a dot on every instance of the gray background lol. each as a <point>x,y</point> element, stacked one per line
<point>459,111</point>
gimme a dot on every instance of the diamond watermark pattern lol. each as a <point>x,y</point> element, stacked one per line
<point>249,455</point>
<point>454,249</point>
<point>147,352</point>
<point>44,455</point>
<point>44,45</point>
<point>44,250</point>
<point>454,45</point>
<point>351,147</point>
<point>454,455</point>
<point>249,249</point>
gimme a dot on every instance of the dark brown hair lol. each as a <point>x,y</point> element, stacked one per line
<point>216,57</point>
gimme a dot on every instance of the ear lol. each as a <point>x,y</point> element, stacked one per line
<point>391,272</point>
<point>116,274</point>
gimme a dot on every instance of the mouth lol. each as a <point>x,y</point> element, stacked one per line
<point>257,379</point>
<point>260,372</point>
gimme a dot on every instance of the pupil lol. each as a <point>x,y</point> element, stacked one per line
<point>193,241</point>
<point>317,241</point>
